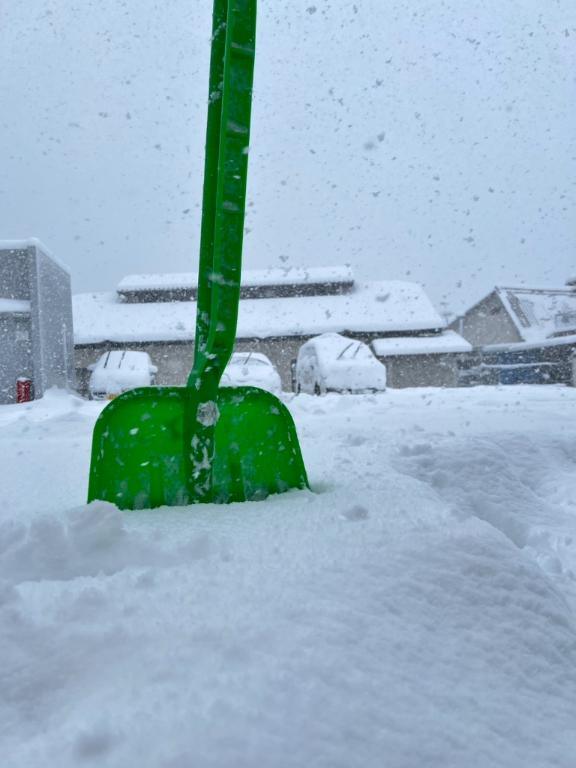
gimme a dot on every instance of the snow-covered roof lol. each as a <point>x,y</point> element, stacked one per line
<point>443,343</point>
<point>20,245</point>
<point>14,306</point>
<point>377,307</point>
<point>539,314</point>
<point>515,346</point>
<point>250,277</point>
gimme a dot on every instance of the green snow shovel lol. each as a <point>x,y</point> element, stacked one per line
<point>174,446</point>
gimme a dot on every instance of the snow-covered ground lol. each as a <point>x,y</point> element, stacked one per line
<point>415,610</point>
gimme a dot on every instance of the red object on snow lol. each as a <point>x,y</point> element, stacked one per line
<point>23,390</point>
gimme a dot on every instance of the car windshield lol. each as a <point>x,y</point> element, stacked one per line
<point>354,351</point>
<point>249,359</point>
<point>125,360</point>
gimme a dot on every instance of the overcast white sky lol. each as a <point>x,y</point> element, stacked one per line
<point>432,140</point>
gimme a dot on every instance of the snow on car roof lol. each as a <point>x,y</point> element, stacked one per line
<point>385,306</point>
<point>446,342</point>
<point>250,277</point>
<point>333,343</point>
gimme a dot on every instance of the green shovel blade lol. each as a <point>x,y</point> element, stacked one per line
<point>140,459</point>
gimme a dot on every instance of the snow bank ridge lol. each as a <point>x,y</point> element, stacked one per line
<point>89,541</point>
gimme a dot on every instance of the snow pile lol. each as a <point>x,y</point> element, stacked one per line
<point>407,612</point>
<point>89,541</point>
<point>534,474</point>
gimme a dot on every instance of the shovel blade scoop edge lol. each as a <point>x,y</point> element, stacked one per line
<point>141,454</point>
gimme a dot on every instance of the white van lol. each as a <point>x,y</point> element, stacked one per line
<point>333,363</point>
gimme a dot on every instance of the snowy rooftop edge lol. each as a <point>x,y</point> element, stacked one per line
<point>17,245</point>
<point>556,341</point>
<point>14,306</point>
<point>250,277</point>
<point>535,311</point>
<point>377,307</point>
<point>446,342</point>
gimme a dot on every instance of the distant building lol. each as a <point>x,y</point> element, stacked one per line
<point>36,333</point>
<point>432,360</point>
<point>521,335</point>
<point>280,309</point>
<point>512,315</point>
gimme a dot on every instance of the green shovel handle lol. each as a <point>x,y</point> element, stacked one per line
<point>224,198</point>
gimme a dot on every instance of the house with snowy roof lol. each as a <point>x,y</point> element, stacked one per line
<point>522,335</point>
<point>280,309</point>
<point>36,335</point>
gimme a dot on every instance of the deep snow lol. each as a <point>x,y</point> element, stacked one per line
<point>416,609</point>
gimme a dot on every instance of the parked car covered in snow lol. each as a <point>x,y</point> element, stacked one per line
<point>251,369</point>
<point>120,370</point>
<point>333,363</point>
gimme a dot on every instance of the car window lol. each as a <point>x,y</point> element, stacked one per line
<point>354,351</point>
<point>248,361</point>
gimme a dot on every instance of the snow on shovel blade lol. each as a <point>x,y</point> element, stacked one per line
<point>141,455</point>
